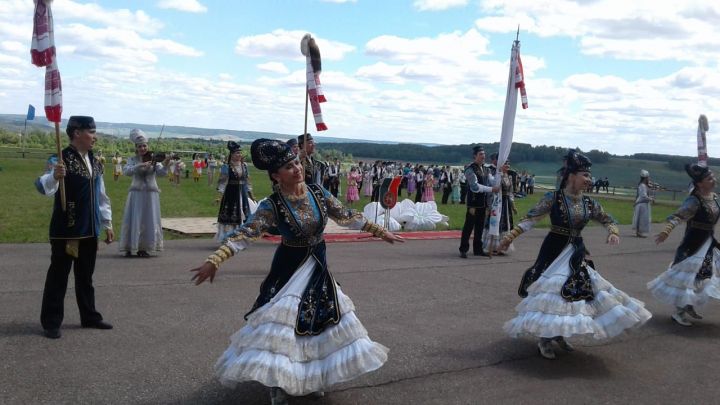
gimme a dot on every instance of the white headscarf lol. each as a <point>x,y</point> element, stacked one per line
<point>644,173</point>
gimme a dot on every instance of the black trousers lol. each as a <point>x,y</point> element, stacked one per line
<point>446,194</point>
<point>419,191</point>
<point>463,192</point>
<point>474,222</point>
<point>56,281</point>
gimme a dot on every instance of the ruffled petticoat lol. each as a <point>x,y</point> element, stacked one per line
<point>544,313</point>
<point>677,286</point>
<point>267,349</point>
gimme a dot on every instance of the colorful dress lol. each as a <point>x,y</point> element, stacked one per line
<point>302,334</point>
<point>117,166</point>
<point>455,196</point>
<point>234,184</point>
<point>563,294</point>
<point>352,187</point>
<point>197,168</point>
<point>428,193</point>
<point>368,182</point>
<point>692,278</point>
<point>141,227</point>
<point>411,184</point>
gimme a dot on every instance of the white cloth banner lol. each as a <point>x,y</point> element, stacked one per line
<point>508,126</point>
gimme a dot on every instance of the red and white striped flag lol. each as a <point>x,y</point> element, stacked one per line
<point>43,54</point>
<point>309,48</point>
<point>520,81</point>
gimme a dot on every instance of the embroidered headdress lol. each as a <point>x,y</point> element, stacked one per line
<point>577,162</point>
<point>233,146</point>
<point>137,136</point>
<point>270,154</point>
<point>696,172</point>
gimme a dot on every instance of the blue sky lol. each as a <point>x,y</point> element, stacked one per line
<point>621,76</point>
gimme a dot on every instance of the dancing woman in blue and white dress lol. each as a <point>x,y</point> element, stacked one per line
<point>692,278</point>
<point>563,295</point>
<point>301,335</point>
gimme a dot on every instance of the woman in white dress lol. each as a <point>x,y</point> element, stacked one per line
<point>142,232</point>
<point>692,278</point>
<point>301,335</point>
<point>563,294</point>
<point>642,214</point>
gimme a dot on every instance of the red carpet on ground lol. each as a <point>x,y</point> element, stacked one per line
<point>364,237</point>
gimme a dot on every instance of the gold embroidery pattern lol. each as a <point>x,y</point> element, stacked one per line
<point>75,165</point>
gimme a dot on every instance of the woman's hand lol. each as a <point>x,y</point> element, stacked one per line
<point>660,238</point>
<point>613,239</point>
<point>390,237</point>
<point>207,270</point>
<point>504,244</point>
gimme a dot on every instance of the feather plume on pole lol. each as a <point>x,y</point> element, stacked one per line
<point>313,88</point>
<point>703,127</point>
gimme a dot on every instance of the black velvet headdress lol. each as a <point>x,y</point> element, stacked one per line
<point>477,149</point>
<point>79,122</point>
<point>301,139</point>
<point>270,154</point>
<point>233,146</point>
<point>696,172</point>
<point>577,162</point>
<point>291,142</point>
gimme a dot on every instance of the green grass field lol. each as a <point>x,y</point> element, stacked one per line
<point>25,213</point>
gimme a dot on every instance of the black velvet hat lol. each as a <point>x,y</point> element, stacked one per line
<point>270,154</point>
<point>477,149</point>
<point>79,122</point>
<point>292,142</point>
<point>233,146</point>
<point>577,162</point>
<point>494,156</point>
<point>301,139</point>
<point>696,172</point>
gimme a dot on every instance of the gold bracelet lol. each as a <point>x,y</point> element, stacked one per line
<point>214,260</point>
<point>375,229</point>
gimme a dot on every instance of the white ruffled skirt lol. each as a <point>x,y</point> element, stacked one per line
<point>678,287</point>
<point>545,313</point>
<point>267,349</point>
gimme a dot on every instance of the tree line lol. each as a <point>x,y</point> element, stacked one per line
<point>403,152</point>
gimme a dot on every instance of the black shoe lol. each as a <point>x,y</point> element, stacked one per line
<point>481,254</point>
<point>97,325</point>
<point>463,255</point>
<point>52,333</point>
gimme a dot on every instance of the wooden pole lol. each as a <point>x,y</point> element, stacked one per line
<point>60,160</point>
<point>307,97</point>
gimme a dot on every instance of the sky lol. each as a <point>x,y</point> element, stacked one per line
<point>620,76</point>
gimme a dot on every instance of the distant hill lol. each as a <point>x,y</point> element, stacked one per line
<point>16,122</point>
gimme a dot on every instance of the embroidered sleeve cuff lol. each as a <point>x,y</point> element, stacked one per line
<point>375,229</point>
<point>223,253</point>
<point>613,229</point>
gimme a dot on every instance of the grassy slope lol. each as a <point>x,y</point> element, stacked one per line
<point>25,213</point>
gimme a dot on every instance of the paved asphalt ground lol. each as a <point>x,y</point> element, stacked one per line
<point>441,317</point>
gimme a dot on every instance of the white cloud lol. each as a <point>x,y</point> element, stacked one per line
<point>137,21</point>
<point>283,44</point>
<point>274,67</point>
<point>438,5</point>
<point>620,29</point>
<point>453,47</point>
<point>190,6</point>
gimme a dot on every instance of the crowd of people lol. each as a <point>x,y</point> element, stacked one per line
<point>302,335</point>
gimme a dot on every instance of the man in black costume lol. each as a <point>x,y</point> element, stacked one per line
<point>479,179</point>
<point>75,228</point>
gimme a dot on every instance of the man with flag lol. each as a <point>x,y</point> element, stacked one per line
<point>81,207</point>
<point>74,231</point>
<point>478,179</point>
